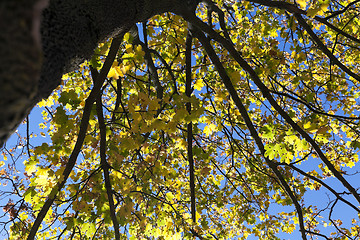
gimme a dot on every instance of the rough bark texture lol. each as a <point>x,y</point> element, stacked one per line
<point>70,31</point>
<point>20,63</point>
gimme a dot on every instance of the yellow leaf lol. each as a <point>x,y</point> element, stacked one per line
<point>127,37</point>
<point>310,127</point>
<point>139,51</point>
<point>324,5</point>
<point>125,69</point>
<point>42,177</point>
<point>302,3</point>
<point>350,164</point>
<point>208,129</point>
<point>46,102</point>
<point>128,48</point>
<point>169,196</point>
<point>30,169</point>
<point>199,84</point>
<point>181,144</point>
<point>115,72</point>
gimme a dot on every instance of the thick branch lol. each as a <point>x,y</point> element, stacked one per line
<point>70,31</point>
<point>81,136</point>
<point>266,93</point>
<point>242,109</point>
<point>103,162</point>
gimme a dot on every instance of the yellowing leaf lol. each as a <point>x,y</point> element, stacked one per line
<point>169,196</point>
<point>181,144</point>
<point>199,84</point>
<point>128,37</point>
<point>209,129</point>
<point>324,6</point>
<point>129,48</point>
<point>350,164</point>
<point>125,68</point>
<point>46,102</point>
<point>30,168</point>
<point>42,177</point>
<point>302,3</point>
<point>310,127</point>
<point>115,72</point>
<point>139,52</point>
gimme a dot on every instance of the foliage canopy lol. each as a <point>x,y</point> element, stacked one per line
<point>226,123</point>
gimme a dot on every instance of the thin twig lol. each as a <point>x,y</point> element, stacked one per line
<point>188,92</point>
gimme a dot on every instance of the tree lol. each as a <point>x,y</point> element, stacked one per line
<point>211,120</point>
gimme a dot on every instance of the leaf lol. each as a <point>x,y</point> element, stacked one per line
<point>209,129</point>
<point>355,144</point>
<point>302,3</point>
<point>199,84</point>
<point>170,196</point>
<point>268,132</point>
<point>324,5</point>
<point>313,11</point>
<point>115,71</point>
<point>30,167</point>
<point>29,194</point>
<point>128,37</point>
<point>323,130</point>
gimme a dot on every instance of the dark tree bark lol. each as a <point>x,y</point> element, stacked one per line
<point>20,61</point>
<point>70,31</point>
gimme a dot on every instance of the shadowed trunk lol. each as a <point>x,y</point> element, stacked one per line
<point>70,31</point>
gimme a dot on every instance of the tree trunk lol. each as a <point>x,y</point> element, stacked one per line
<point>70,31</point>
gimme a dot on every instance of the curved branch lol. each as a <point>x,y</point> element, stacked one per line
<point>334,14</point>
<point>312,108</point>
<point>294,9</point>
<point>266,93</point>
<point>229,86</point>
<point>325,185</point>
<point>168,68</point>
<point>104,163</point>
<point>81,136</point>
<point>323,48</point>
